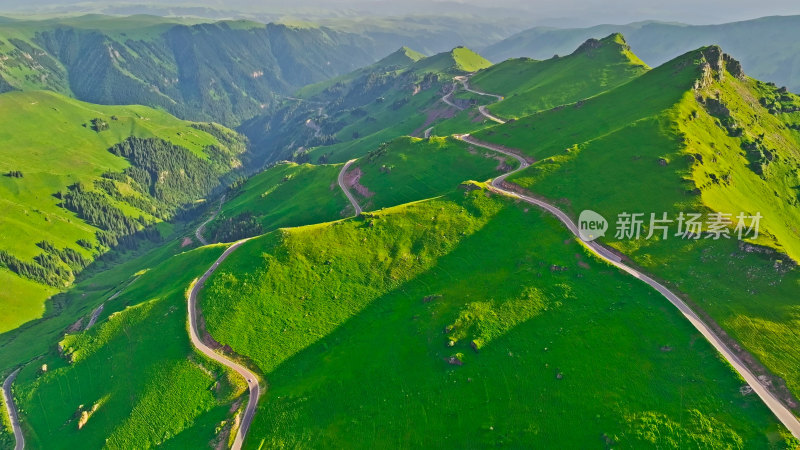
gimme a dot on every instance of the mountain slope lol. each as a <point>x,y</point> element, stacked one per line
<point>132,380</point>
<point>768,46</point>
<point>401,59</point>
<point>530,86</point>
<point>376,293</point>
<point>694,135</point>
<point>409,169</point>
<point>284,195</point>
<point>101,177</point>
<point>343,118</point>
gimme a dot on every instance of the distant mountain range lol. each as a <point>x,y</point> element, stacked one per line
<point>225,71</point>
<point>769,47</point>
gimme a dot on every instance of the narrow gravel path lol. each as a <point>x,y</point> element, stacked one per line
<point>783,413</point>
<point>11,408</point>
<point>347,192</point>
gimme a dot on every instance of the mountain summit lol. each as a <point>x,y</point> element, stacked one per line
<point>530,86</point>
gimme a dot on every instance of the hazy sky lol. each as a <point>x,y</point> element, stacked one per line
<point>617,11</point>
<point>538,12</point>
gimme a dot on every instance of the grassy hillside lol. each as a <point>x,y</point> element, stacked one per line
<point>41,172</point>
<point>104,278</point>
<point>285,195</point>
<point>401,171</point>
<point>530,86</point>
<point>6,432</point>
<point>133,379</point>
<point>443,360</point>
<point>702,137</point>
<point>410,169</point>
<point>467,121</point>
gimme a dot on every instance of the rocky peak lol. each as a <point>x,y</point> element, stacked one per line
<point>589,45</point>
<point>714,58</point>
<point>613,39</point>
<point>720,62</point>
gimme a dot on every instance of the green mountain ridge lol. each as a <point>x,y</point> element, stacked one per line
<point>700,137</point>
<point>530,86</point>
<point>456,61</point>
<point>402,56</point>
<point>399,60</point>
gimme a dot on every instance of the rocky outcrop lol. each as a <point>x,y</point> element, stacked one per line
<point>706,78</point>
<point>714,57</point>
<point>589,45</point>
<point>5,86</point>
<point>714,64</point>
<point>734,67</point>
<point>717,63</point>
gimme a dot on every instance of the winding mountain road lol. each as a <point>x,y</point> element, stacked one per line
<point>786,417</point>
<point>485,113</point>
<point>347,192</point>
<point>780,411</point>
<point>11,408</point>
<point>198,233</point>
<point>197,341</point>
<point>449,95</point>
<point>464,80</point>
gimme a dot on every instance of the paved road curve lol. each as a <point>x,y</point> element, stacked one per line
<point>11,407</point>
<point>347,192</point>
<point>783,414</point>
<point>485,112</point>
<point>252,380</point>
